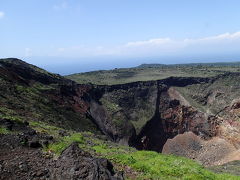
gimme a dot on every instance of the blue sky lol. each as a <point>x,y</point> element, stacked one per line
<point>67,36</point>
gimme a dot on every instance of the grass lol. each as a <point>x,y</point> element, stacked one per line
<point>152,165</point>
<point>127,75</point>
<point>37,103</point>
<point>6,113</point>
<point>110,106</point>
<point>39,100</point>
<point>3,130</point>
<point>64,142</point>
<point>144,115</point>
<point>123,106</point>
<point>12,118</point>
<point>144,164</point>
<point>45,128</point>
<point>212,97</point>
<point>9,114</point>
<point>61,143</point>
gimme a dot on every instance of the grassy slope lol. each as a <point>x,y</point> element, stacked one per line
<point>36,101</point>
<point>18,102</point>
<point>121,76</point>
<point>136,164</point>
<point>212,97</point>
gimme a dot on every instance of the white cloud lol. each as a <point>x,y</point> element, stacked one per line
<point>185,42</point>
<point>62,5</point>
<point>217,38</point>
<point>227,42</point>
<point>2,14</point>
<point>149,42</point>
<point>28,52</point>
<point>166,46</point>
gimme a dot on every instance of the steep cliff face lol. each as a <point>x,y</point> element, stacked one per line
<point>173,115</point>
<point>219,98</point>
<point>123,109</point>
<point>146,114</point>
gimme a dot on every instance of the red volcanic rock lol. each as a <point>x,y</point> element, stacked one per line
<point>186,144</point>
<point>210,152</point>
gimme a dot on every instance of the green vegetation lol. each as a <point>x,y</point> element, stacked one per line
<point>113,110</point>
<point>144,115</point>
<point>12,118</point>
<point>140,164</point>
<point>46,115</point>
<point>64,142</point>
<point>61,142</point>
<point>35,103</point>
<point>29,93</point>
<point>212,97</point>
<point>143,164</point>
<point>9,114</point>
<point>187,93</point>
<point>124,106</point>
<point>152,165</point>
<point>3,130</point>
<point>109,105</point>
<point>42,127</point>
<point>153,72</point>
<point>216,64</point>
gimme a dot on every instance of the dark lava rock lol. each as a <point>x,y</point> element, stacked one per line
<point>35,144</point>
<point>21,162</point>
<point>174,103</point>
<point>30,132</point>
<point>9,125</point>
<point>63,133</point>
<point>26,123</point>
<point>23,167</point>
<point>75,164</point>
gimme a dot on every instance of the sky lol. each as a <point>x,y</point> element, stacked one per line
<point>69,36</point>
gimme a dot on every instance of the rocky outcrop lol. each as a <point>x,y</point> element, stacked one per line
<point>26,137</point>
<point>74,164</point>
<point>215,151</point>
<point>21,157</point>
